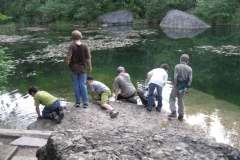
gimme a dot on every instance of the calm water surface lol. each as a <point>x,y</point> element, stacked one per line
<point>212,102</point>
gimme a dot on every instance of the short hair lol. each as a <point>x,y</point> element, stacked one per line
<point>164,66</point>
<point>184,58</point>
<point>76,35</point>
<point>33,89</point>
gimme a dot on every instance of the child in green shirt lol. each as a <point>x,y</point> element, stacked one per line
<point>52,107</point>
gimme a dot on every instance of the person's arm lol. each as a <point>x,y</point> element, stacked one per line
<point>116,95</point>
<point>190,80</point>
<point>92,94</point>
<point>68,59</point>
<point>89,62</point>
<point>38,111</point>
<point>165,79</point>
<point>148,77</point>
<point>69,55</point>
<point>175,75</point>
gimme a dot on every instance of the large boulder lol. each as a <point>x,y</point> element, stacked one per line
<point>177,33</point>
<point>118,17</point>
<point>180,19</point>
<point>131,143</point>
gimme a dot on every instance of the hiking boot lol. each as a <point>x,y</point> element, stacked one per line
<point>149,109</point>
<point>113,113</point>
<point>56,117</point>
<point>180,117</point>
<point>132,100</point>
<point>173,114</point>
<point>158,109</point>
<point>85,105</point>
<point>77,105</point>
<point>61,114</point>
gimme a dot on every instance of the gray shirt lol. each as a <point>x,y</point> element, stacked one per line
<point>183,72</point>
<point>98,87</point>
<point>123,82</point>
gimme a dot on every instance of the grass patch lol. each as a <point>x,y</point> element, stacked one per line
<point>60,23</point>
<point>10,25</point>
<point>140,20</point>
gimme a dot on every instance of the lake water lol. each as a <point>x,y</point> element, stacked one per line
<point>213,101</point>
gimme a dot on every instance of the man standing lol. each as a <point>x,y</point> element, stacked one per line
<point>182,81</point>
<point>157,78</point>
<point>78,55</point>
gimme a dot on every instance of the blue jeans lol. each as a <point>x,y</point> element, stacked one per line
<point>151,89</point>
<point>80,87</point>
<point>48,110</point>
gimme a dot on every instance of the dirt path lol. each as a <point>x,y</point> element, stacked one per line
<point>94,117</point>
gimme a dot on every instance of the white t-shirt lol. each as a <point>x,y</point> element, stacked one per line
<point>159,76</point>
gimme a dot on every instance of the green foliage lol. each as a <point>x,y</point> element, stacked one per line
<point>54,10</point>
<point>156,9</point>
<point>87,11</point>
<point>216,11</point>
<point>8,25</point>
<point>4,17</point>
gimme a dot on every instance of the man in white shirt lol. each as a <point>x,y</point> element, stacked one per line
<point>157,78</point>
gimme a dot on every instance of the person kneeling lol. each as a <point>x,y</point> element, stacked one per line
<point>52,107</point>
<point>103,94</point>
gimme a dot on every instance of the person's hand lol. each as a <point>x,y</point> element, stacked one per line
<point>39,117</point>
<point>90,69</point>
<point>185,89</point>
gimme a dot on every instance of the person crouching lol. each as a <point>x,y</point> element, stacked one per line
<point>103,95</point>
<point>52,108</point>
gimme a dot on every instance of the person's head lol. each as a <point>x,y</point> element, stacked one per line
<point>90,79</point>
<point>33,90</point>
<point>184,58</point>
<point>120,69</point>
<point>76,35</point>
<point>165,67</point>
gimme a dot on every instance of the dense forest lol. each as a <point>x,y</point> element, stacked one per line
<point>28,12</point>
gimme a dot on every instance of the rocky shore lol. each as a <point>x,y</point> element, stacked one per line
<point>135,134</point>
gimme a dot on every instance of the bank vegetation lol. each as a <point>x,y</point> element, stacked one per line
<point>60,12</point>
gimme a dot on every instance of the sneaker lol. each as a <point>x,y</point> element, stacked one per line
<point>132,100</point>
<point>180,117</point>
<point>149,108</point>
<point>85,105</point>
<point>113,113</point>
<point>61,114</point>
<point>77,105</point>
<point>158,109</point>
<point>56,117</point>
<point>173,114</point>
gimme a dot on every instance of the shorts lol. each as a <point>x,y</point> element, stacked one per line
<point>104,96</point>
<point>119,97</point>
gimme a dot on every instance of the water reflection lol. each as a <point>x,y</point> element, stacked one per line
<point>17,111</point>
<point>212,101</point>
<point>220,118</point>
<point>218,125</point>
<point>176,33</point>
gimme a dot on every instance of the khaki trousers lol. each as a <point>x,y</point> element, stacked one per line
<point>172,101</point>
